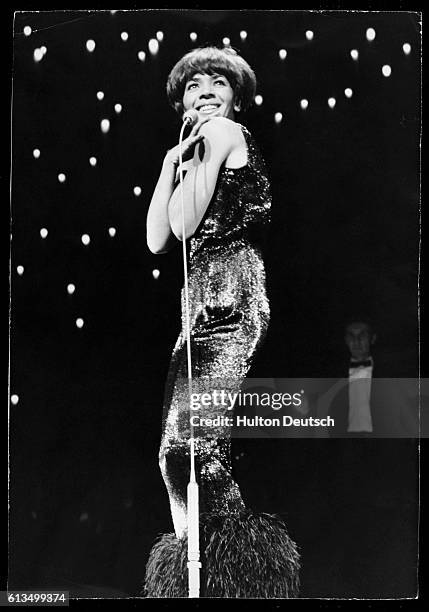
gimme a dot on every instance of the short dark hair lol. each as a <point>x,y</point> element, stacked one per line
<point>367,320</point>
<point>212,60</point>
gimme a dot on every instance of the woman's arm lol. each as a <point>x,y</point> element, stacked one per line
<point>159,236</point>
<point>221,137</point>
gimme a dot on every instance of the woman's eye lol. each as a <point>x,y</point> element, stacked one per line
<point>192,85</point>
<point>221,81</point>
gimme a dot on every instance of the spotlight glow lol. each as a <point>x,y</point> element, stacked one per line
<point>278,117</point>
<point>38,55</point>
<point>93,161</point>
<point>20,270</point>
<point>282,54</point>
<point>258,100</point>
<point>226,41</point>
<point>124,36</point>
<point>112,231</point>
<point>14,399</point>
<point>137,190</point>
<point>332,102</point>
<point>79,323</point>
<point>153,46</point>
<point>193,36</point>
<point>386,70</point>
<point>36,153</point>
<point>243,34</point>
<point>105,125</point>
<point>354,53</point>
<point>160,35</point>
<point>85,239</point>
<point>141,55</point>
<point>90,45</point>
<point>27,31</point>
<point>406,47</point>
<point>309,34</point>
<point>155,274</point>
<point>304,103</point>
<point>71,288</point>
<point>348,92</point>
<point>118,108</point>
<point>370,34</point>
<point>100,95</point>
<point>43,232</point>
<point>61,177</point>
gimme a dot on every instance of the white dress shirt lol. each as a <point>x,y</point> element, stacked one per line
<point>359,398</point>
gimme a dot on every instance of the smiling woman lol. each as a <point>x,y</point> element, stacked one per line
<point>227,200</point>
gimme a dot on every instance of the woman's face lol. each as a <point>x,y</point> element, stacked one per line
<point>211,95</point>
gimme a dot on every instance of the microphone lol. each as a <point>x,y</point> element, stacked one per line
<point>190,117</point>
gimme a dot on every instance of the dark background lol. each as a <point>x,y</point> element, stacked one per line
<point>86,496</point>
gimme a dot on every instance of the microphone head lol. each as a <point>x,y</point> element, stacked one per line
<point>190,117</point>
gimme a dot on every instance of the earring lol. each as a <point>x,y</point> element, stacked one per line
<point>237,108</point>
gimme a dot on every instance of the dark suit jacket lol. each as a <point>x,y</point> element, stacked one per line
<point>393,401</point>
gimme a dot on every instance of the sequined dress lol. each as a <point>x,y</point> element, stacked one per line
<point>229,317</point>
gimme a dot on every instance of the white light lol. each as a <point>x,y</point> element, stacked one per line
<point>348,92</point>
<point>304,103</point>
<point>20,270</point>
<point>38,55</point>
<point>105,125</point>
<point>370,34</point>
<point>43,49</point>
<point>124,36</point>
<point>406,47</point>
<point>193,36</point>
<point>282,54</point>
<point>118,108</point>
<point>79,323</point>
<point>160,35</point>
<point>27,31</point>
<point>258,100</point>
<point>226,41</point>
<point>85,239</point>
<point>386,70</point>
<point>278,117</point>
<point>354,53</point>
<point>71,288</point>
<point>155,274</point>
<point>141,55</point>
<point>137,190</point>
<point>14,399</point>
<point>43,232</point>
<point>100,95</point>
<point>61,177</point>
<point>112,231</point>
<point>153,46</point>
<point>243,34</point>
<point>332,102</point>
<point>93,161</point>
<point>309,35</point>
<point>90,45</point>
<point>36,153</point>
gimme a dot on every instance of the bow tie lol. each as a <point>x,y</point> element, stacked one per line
<point>364,363</point>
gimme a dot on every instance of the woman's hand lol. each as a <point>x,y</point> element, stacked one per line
<point>188,145</point>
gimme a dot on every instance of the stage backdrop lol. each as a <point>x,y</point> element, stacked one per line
<point>94,315</point>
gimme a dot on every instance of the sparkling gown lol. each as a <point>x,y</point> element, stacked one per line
<point>229,316</point>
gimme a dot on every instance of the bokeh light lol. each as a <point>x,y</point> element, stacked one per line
<point>160,36</point>
<point>43,232</point>
<point>79,323</point>
<point>153,46</point>
<point>137,190</point>
<point>332,102</point>
<point>348,92</point>
<point>258,100</point>
<point>282,54</point>
<point>354,53</point>
<point>193,36</point>
<point>27,31</point>
<point>105,125</point>
<point>85,239</point>
<point>38,55</point>
<point>243,34</point>
<point>14,399</point>
<point>20,270</point>
<point>406,47</point>
<point>36,153</point>
<point>124,36</point>
<point>118,108</point>
<point>226,41</point>
<point>386,70</point>
<point>141,55</point>
<point>155,274</point>
<point>93,161</point>
<point>71,288</point>
<point>278,117</point>
<point>304,103</point>
<point>112,232</point>
<point>62,177</point>
<point>100,95</point>
<point>309,34</point>
<point>90,45</point>
<point>370,34</point>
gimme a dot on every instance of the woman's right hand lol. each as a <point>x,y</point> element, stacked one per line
<point>188,145</point>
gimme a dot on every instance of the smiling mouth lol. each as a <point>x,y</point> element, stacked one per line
<point>207,108</point>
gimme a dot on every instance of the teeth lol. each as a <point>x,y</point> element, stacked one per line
<point>207,107</point>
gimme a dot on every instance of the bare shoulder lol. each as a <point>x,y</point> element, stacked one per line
<point>221,127</point>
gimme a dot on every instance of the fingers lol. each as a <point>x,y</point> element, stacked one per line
<point>197,126</point>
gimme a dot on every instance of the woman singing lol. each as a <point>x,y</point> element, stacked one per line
<point>226,210</point>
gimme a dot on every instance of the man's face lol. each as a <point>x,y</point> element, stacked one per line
<point>359,339</point>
